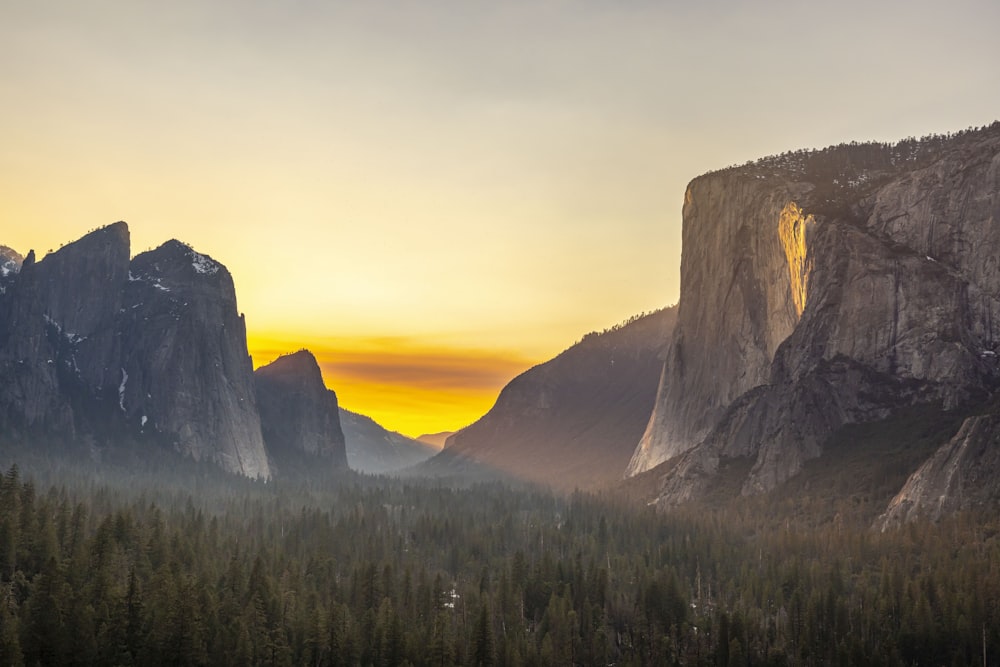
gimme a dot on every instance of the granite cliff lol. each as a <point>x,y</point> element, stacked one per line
<point>822,289</point>
<point>574,420</point>
<point>964,473</point>
<point>299,416</point>
<point>96,348</point>
<point>186,375</point>
<point>58,345</point>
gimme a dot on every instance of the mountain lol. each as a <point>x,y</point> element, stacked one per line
<point>185,370</point>
<point>574,420</point>
<point>299,416</point>
<point>824,289</point>
<point>97,349</point>
<point>436,440</point>
<point>10,261</point>
<point>373,449</point>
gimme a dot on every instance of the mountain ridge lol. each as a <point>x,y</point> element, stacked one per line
<point>573,420</point>
<point>373,449</point>
<point>436,440</point>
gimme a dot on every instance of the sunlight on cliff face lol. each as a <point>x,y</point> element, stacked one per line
<point>793,227</point>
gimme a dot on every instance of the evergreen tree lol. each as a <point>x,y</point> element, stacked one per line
<point>482,639</point>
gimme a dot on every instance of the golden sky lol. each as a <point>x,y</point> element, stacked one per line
<point>434,196</point>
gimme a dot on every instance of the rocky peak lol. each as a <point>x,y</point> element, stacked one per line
<point>10,266</point>
<point>179,259</point>
<point>299,369</point>
<point>175,265</point>
<point>299,415</point>
<point>10,261</point>
<point>80,283</point>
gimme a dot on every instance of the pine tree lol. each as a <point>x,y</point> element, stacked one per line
<point>45,640</point>
<point>439,649</point>
<point>482,639</point>
<point>10,644</point>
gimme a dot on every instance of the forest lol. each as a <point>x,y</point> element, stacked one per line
<point>184,565</point>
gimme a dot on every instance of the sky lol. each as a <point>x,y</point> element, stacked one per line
<point>435,196</point>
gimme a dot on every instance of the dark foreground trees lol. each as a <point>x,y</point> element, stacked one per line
<point>379,572</point>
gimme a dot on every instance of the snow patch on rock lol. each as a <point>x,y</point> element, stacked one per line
<point>121,390</point>
<point>203,264</point>
<point>72,338</point>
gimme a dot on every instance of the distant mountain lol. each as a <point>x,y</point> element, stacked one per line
<point>572,421</point>
<point>97,350</point>
<point>373,449</point>
<point>436,440</point>
<point>299,416</point>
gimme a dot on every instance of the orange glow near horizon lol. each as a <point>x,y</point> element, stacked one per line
<point>403,384</point>
<point>479,183</point>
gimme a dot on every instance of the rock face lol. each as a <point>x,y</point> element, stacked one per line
<point>299,416</point>
<point>573,421</point>
<point>186,373</point>
<point>95,348</point>
<point>727,335</point>
<point>373,449</point>
<point>822,289</point>
<point>58,344</point>
<point>964,473</point>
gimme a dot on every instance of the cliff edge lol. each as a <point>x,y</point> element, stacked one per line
<point>826,288</point>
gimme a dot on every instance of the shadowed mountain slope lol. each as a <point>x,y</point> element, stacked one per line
<point>373,449</point>
<point>572,421</point>
<point>299,416</point>
<point>436,440</point>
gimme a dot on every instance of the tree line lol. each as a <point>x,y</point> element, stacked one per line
<point>373,571</point>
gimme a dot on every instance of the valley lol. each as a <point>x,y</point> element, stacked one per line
<point>795,464</point>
